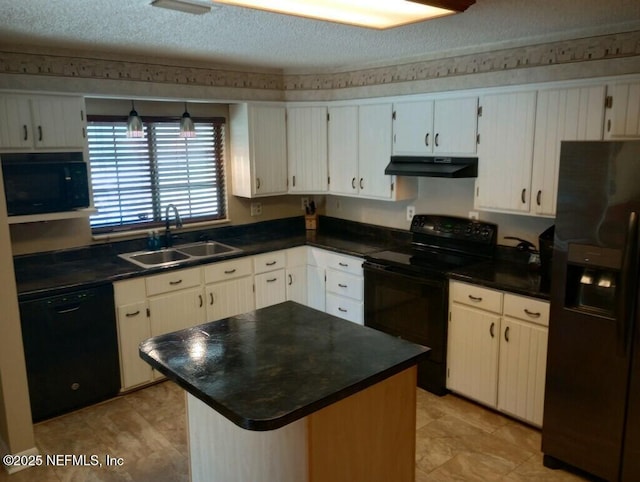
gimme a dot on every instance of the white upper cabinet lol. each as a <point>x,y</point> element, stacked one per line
<point>343,150</point>
<point>307,149</point>
<point>444,126</point>
<point>42,122</point>
<point>572,114</point>
<point>623,113</point>
<point>374,151</point>
<point>258,146</point>
<point>505,151</point>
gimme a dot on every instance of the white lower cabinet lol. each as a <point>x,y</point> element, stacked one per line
<point>497,349</point>
<point>296,275</point>
<point>345,294</point>
<point>269,278</point>
<point>228,288</point>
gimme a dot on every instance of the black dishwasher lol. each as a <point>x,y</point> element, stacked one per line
<point>71,350</point>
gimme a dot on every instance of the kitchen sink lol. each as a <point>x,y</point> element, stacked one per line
<point>179,254</point>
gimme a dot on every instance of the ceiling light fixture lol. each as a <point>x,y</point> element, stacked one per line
<point>197,7</point>
<point>134,124</point>
<point>187,129</point>
<point>378,14</point>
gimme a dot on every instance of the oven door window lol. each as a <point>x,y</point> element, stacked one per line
<point>409,307</point>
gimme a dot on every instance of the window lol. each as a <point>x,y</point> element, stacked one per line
<point>135,179</point>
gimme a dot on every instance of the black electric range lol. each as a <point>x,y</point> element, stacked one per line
<point>406,288</point>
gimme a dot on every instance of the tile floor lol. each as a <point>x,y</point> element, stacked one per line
<point>456,441</point>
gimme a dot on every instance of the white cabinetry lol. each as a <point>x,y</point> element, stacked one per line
<point>623,112</point>
<point>497,347</point>
<point>344,286</point>
<point>343,150</point>
<point>133,328</point>
<point>316,292</point>
<point>258,148</point>
<point>269,279</point>
<point>307,149</point>
<point>444,126</point>
<point>505,151</point>
<point>573,114</point>
<point>296,275</point>
<point>228,289</point>
<point>41,122</point>
<point>374,151</point>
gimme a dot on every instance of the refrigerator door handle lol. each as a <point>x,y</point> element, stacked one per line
<point>626,301</point>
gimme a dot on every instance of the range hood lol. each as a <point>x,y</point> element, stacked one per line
<point>431,166</point>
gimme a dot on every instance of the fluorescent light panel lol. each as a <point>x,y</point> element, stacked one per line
<point>379,14</point>
<point>197,7</point>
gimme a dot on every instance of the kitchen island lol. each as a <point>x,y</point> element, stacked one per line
<point>291,394</point>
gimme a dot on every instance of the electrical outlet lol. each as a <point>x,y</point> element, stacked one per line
<point>304,202</point>
<point>256,209</point>
<point>473,215</point>
<point>411,211</point>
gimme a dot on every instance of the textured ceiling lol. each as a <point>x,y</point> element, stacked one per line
<point>255,39</point>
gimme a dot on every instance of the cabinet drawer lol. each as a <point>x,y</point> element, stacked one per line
<point>175,280</point>
<point>528,309</point>
<point>129,291</point>
<point>348,264</point>
<point>345,308</point>
<point>228,270</point>
<point>472,295</point>
<point>269,261</point>
<point>345,284</point>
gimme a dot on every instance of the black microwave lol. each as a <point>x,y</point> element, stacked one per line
<point>36,183</point>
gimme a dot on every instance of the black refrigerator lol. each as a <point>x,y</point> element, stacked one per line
<point>592,394</point>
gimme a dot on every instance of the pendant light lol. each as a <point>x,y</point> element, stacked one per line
<point>134,123</point>
<point>187,129</point>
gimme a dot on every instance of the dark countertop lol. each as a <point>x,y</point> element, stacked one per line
<point>270,367</point>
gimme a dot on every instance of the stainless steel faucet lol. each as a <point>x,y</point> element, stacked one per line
<point>167,231</point>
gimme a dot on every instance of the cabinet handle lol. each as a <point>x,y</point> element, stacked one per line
<point>272,280</point>
<point>270,263</point>
<point>476,299</point>
<point>342,309</point>
<point>491,329</point>
<point>230,271</point>
<point>426,139</point>
<point>26,132</point>
<point>131,315</point>
<point>506,334</point>
<point>344,265</point>
<point>257,183</point>
<point>341,285</point>
<point>532,314</point>
<point>201,300</point>
<point>40,133</point>
<point>173,283</point>
<point>523,194</point>
<point>437,137</point>
<point>290,280</point>
<point>539,197</point>
<point>211,299</point>
<point>294,181</point>
<point>353,183</point>
<point>361,186</point>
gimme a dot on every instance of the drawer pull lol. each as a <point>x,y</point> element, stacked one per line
<point>272,280</point>
<point>230,271</point>
<point>290,280</point>
<point>26,133</point>
<point>532,314</point>
<point>130,315</point>
<point>491,329</point>
<point>211,299</point>
<point>174,283</point>
<point>342,309</point>
<point>341,285</point>
<point>201,301</point>
<point>506,334</point>
<point>344,265</point>
<point>476,299</point>
<point>270,263</point>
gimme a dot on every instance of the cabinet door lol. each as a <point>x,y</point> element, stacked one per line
<point>574,114</point>
<point>270,288</point>
<point>316,297</point>
<point>296,279</point>
<point>268,149</point>
<point>16,130</point>
<point>455,124</point>
<point>523,359</point>
<point>472,353</point>
<point>623,117</point>
<point>374,150</point>
<point>133,328</point>
<point>177,310</point>
<point>229,298</point>
<point>343,149</point>
<point>413,128</point>
<point>58,122</point>
<point>505,151</point>
<point>307,149</point>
